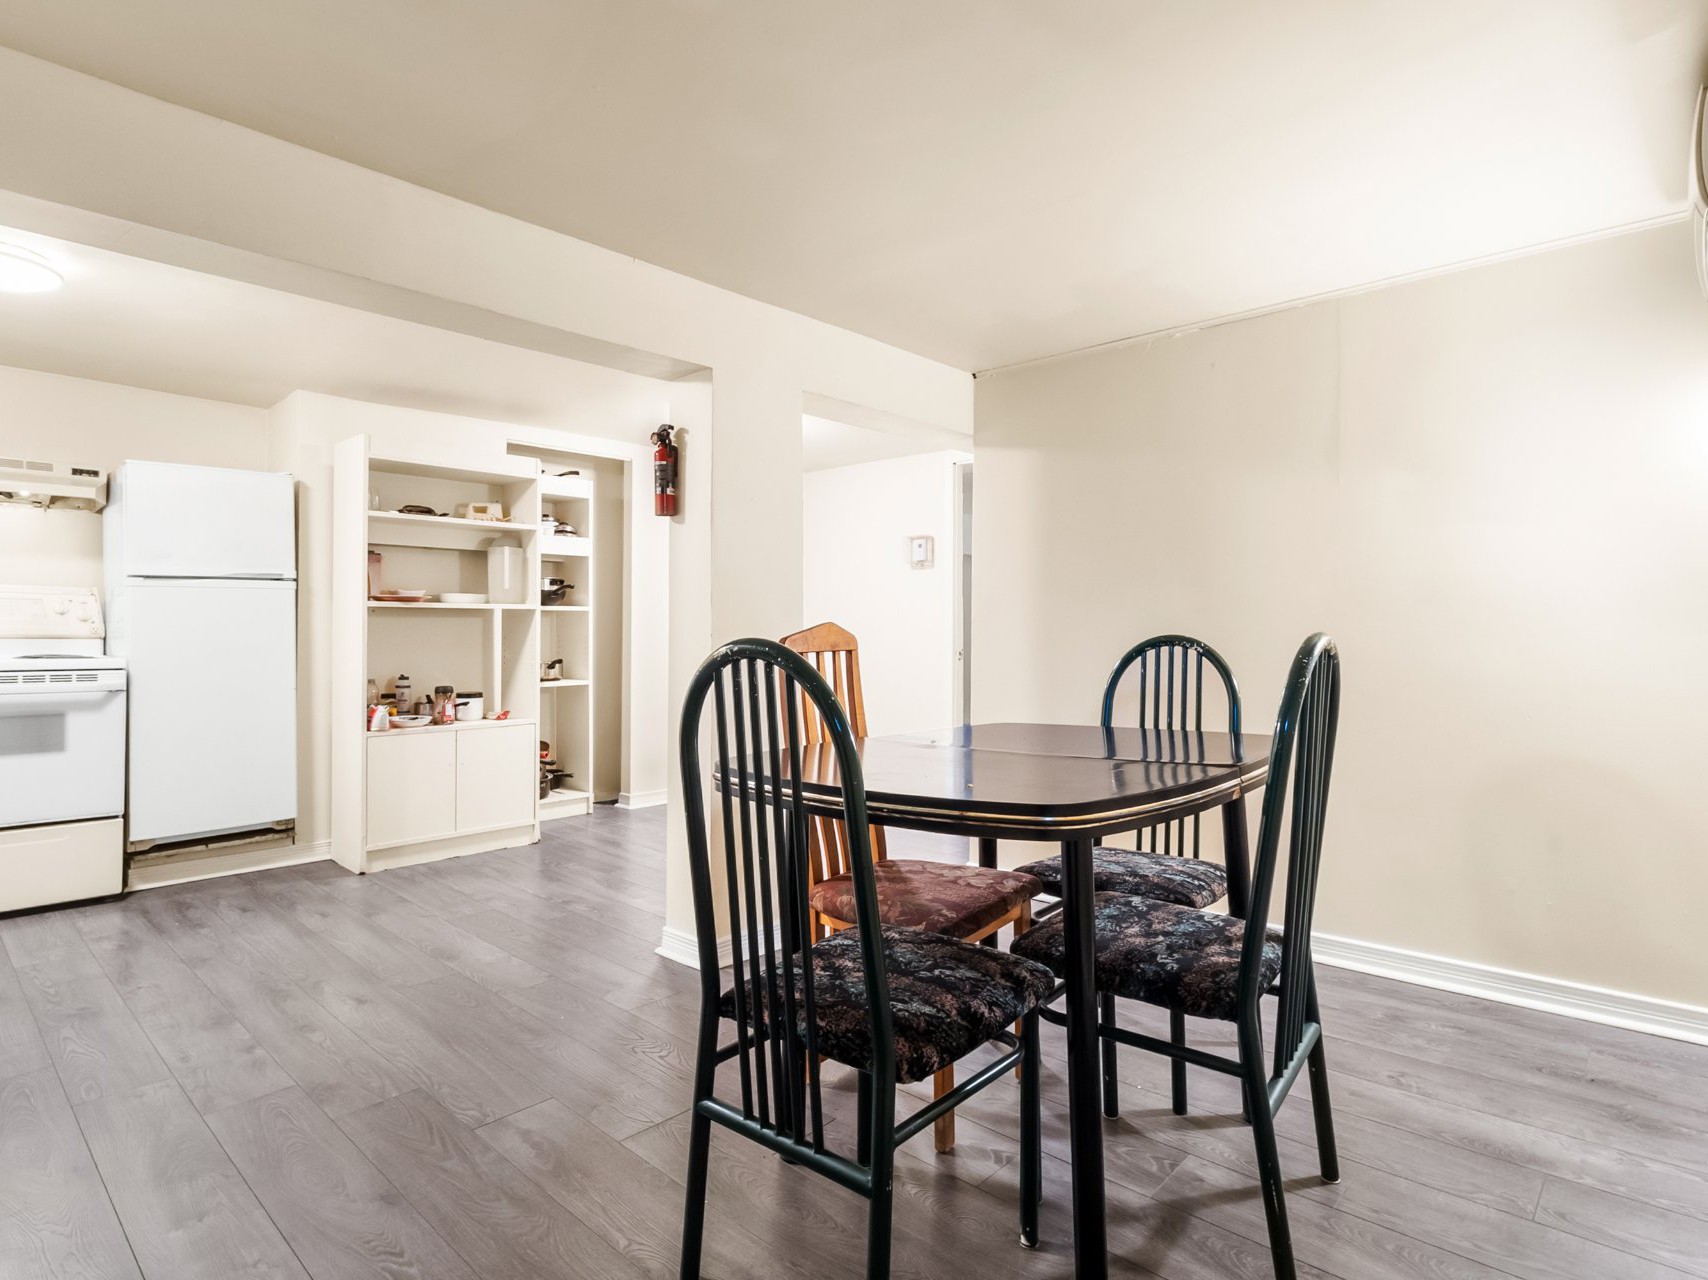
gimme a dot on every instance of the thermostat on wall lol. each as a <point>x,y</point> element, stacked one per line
<point>921,551</point>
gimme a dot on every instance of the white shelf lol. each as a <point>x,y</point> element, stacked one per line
<point>396,529</point>
<point>564,684</point>
<point>455,608</point>
<point>557,488</point>
<point>461,726</point>
<point>566,608</point>
<point>509,471</point>
<point>565,546</point>
<point>564,798</point>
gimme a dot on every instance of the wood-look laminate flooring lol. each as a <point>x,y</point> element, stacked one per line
<point>480,1068</point>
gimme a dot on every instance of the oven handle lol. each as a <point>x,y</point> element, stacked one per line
<point>15,702</point>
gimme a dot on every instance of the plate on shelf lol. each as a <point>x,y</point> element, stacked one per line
<point>410,722</point>
<point>401,597</point>
<point>462,597</point>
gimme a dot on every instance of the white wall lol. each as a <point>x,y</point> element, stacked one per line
<point>51,418</point>
<point>609,568</point>
<point>857,523</point>
<point>1489,487</point>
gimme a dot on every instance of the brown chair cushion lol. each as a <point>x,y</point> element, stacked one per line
<point>1167,877</point>
<point>939,897</point>
<point>1176,957</point>
<point>946,998</point>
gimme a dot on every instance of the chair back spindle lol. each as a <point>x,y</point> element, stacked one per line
<point>1169,673</point>
<point>762,696</point>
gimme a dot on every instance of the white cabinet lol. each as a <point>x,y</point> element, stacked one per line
<point>412,787</point>
<point>430,784</point>
<point>497,774</point>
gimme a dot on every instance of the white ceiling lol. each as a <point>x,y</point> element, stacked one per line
<point>983,182</point>
<point>148,324</point>
<point>827,443</point>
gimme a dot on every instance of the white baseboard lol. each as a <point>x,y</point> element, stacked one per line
<point>212,866</point>
<point>641,799</point>
<point>1550,995</point>
<point>683,946</point>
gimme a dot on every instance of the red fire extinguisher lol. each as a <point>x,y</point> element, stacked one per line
<point>663,471</point>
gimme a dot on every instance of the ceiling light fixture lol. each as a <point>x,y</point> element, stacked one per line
<point>25,271</point>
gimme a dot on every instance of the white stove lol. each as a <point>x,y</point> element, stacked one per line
<point>62,749</point>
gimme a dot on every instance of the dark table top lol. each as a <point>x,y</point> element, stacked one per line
<point>1041,782</point>
<point>1087,741</point>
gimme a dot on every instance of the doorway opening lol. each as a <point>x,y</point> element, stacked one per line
<point>882,556</point>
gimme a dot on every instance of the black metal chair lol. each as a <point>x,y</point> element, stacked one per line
<point>1166,866</point>
<point>897,1004</point>
<point>1190,961</point>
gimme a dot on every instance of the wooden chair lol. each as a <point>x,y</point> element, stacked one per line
<point>967,902</point>
<point>895,1004</point>
<point>1196,962</point>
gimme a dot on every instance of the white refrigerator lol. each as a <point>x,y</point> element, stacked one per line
<point>200,566</point>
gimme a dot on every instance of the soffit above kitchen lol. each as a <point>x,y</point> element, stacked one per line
<point>982,183</point>
<point>149,324</point>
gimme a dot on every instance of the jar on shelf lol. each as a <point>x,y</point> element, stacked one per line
<point>444,704</point>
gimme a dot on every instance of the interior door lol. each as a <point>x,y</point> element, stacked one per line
<point>212,707</point>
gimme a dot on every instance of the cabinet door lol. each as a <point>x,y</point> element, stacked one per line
<point>498,771</point>
<point>412,786</point>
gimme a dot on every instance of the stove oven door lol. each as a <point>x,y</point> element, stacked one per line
<point>62,746</point>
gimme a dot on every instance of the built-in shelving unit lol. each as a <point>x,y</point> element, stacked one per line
<point>412,795</point>
<point>566,632</point>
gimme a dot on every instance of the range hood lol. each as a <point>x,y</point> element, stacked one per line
<point>52,484</point>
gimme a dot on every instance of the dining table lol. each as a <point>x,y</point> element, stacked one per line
<point>1072,785</point>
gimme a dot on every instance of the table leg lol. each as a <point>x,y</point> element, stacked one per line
<point>1236,856</point>
<point>987,858</point>
<point>1085,1124</point>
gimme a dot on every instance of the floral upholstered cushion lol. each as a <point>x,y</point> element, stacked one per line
<point>946,998</point>
<point>1163,954</point>
<point>938,897</point>
<point>1165,877</point>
